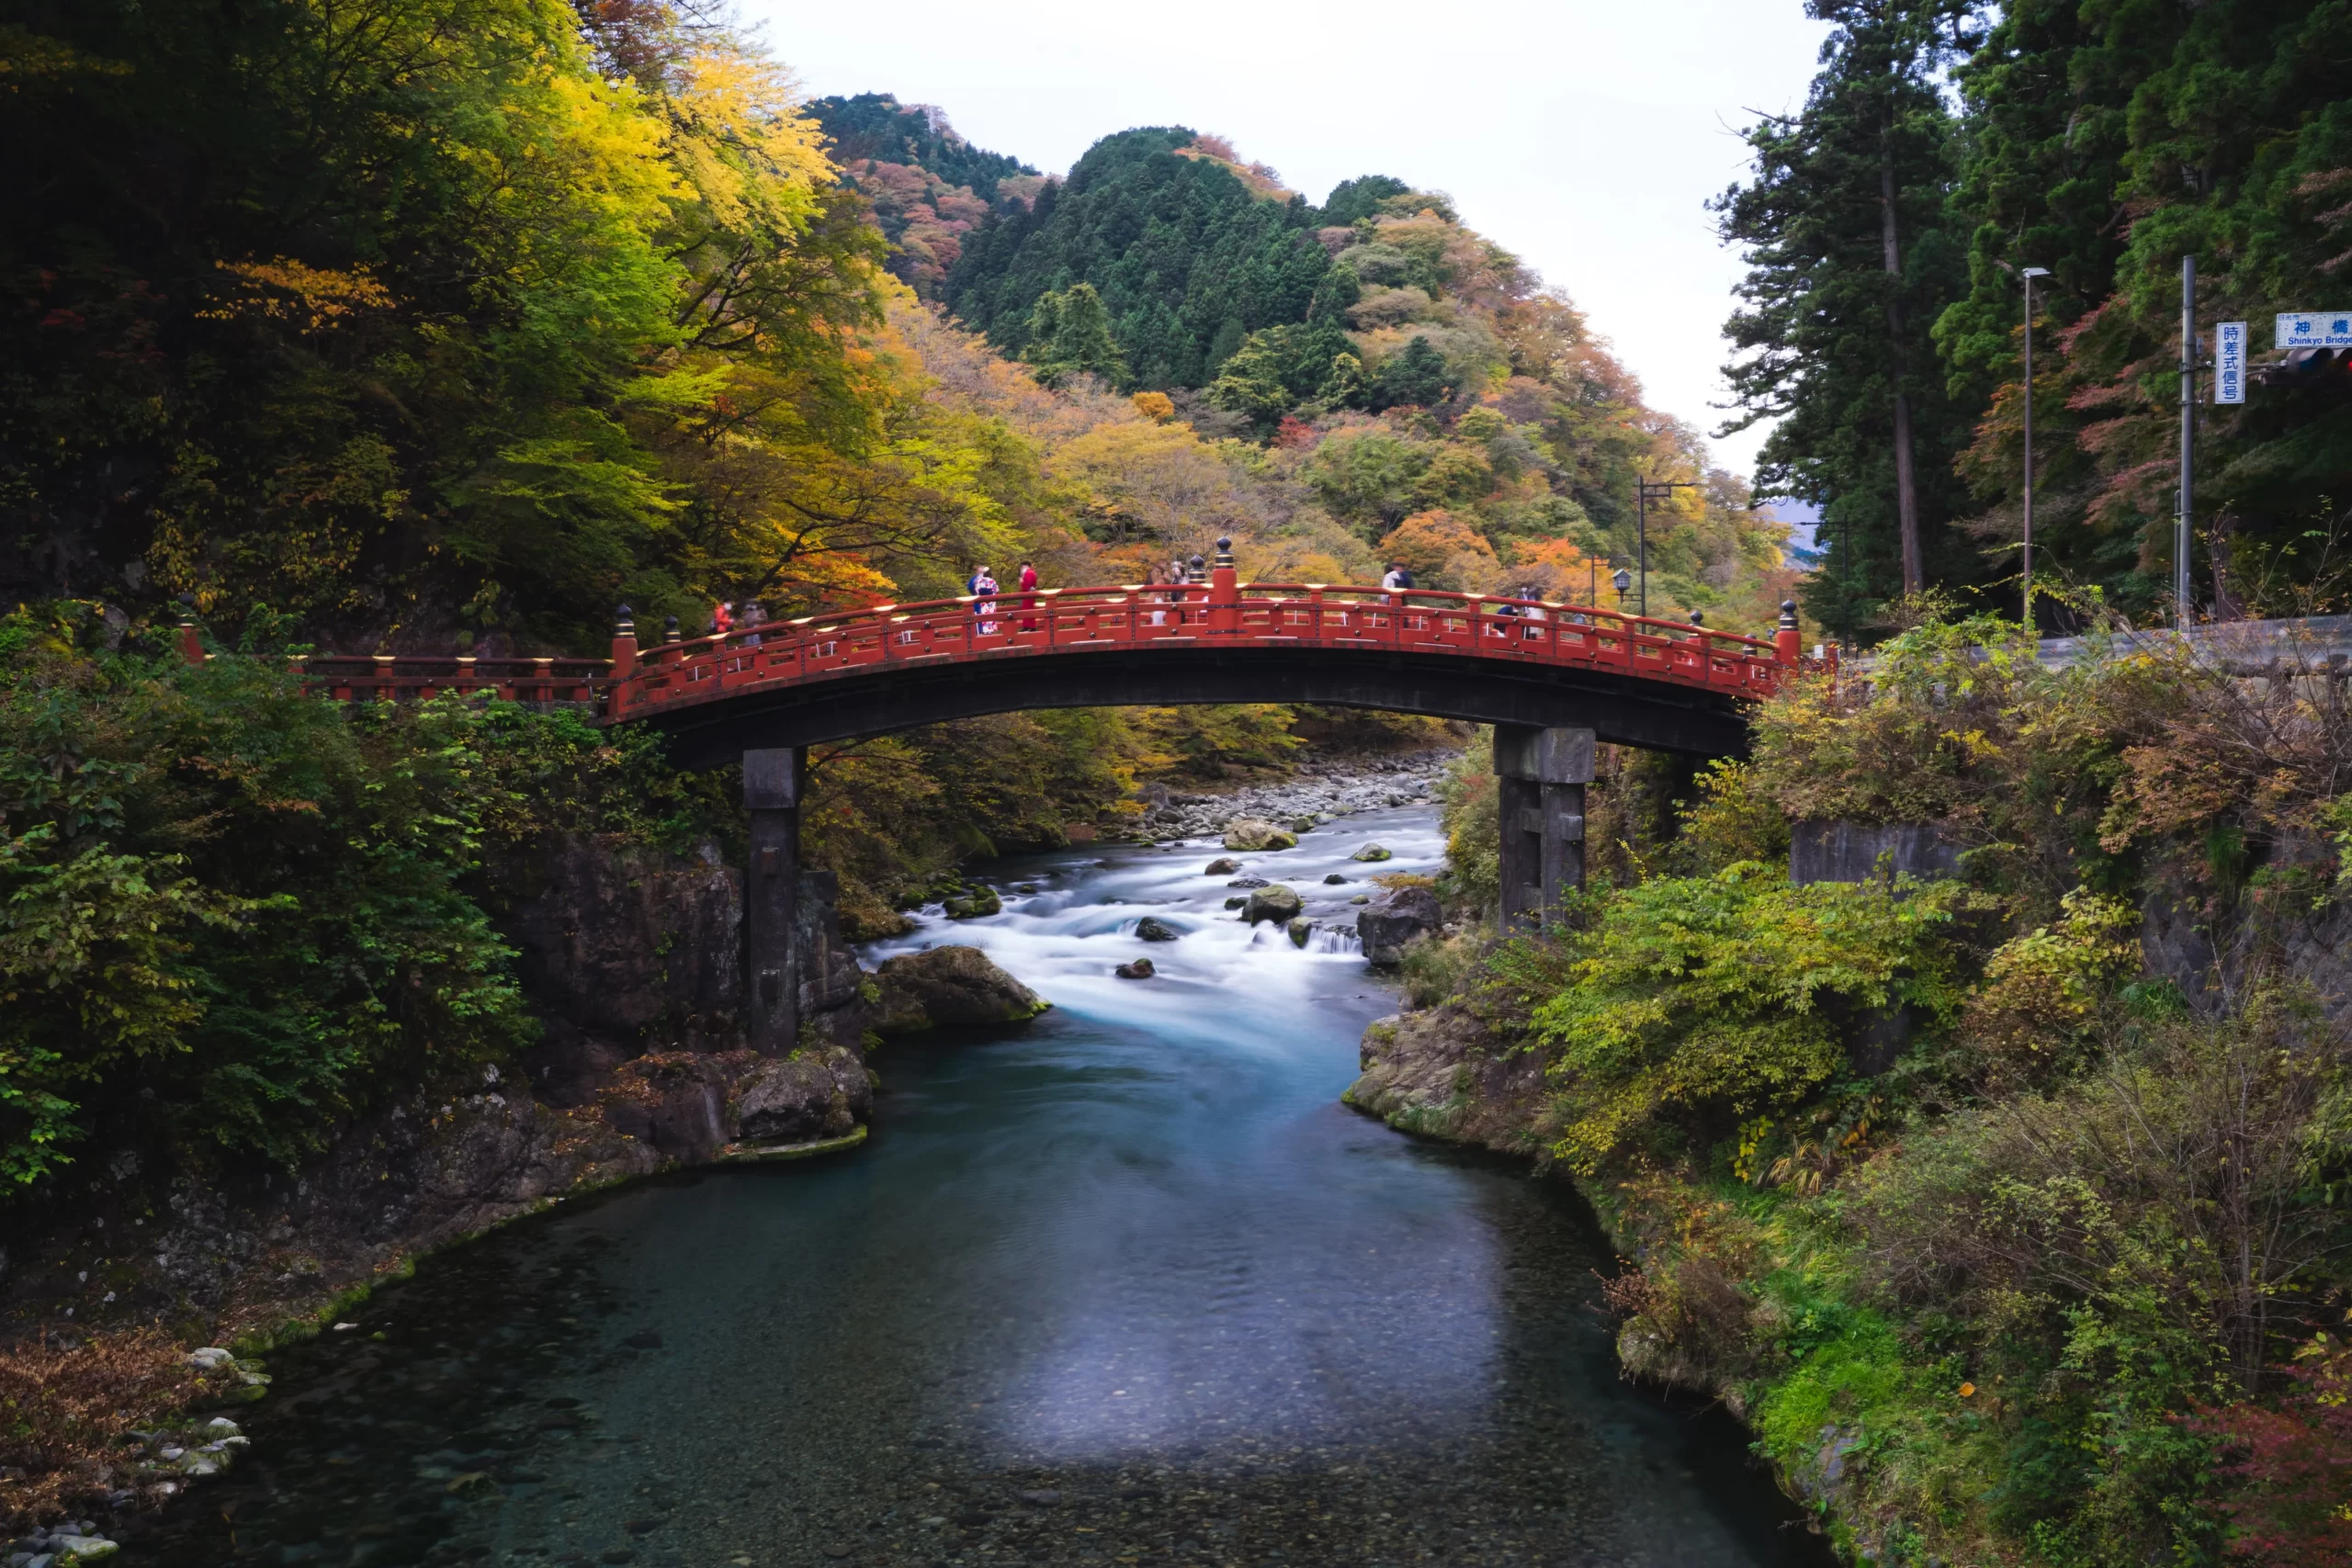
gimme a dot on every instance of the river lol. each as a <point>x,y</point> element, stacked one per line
<point>1125,1285</point>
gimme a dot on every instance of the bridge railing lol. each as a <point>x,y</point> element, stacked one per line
<point>1273,614</point>
<point>640,683</point>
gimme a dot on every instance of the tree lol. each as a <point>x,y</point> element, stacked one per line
<point>1849,267</point>
<point>1416,376</point>
<point>1251,384</point>
<point>1070,335</point>
<point>2101,149</point>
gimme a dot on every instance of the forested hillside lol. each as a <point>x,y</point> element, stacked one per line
<point>930,188</point>
<point>1945,148</point>
<point>1417,378</point>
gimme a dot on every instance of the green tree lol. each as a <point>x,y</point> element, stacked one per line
<point>1070,335</point>
<point>1849,264</point>
<point>2107,143</point>
<point>1414,376</point>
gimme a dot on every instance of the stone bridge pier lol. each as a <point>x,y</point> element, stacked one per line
<point>1540,778</point>
<point>773,782</point>
<point>1541,775</point>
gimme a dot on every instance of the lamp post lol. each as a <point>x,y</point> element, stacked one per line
<point>2187,511</point>
<point>1644,490</point>
<point>1620,579</point>
<point>2026,603</point>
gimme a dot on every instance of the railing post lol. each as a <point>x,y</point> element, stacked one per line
<point>191,643</point>
<point>772,789</point>
<point>1540,776</point>
<point>1786,645</point>
<point>1225,591</point>
<point>623,643</point>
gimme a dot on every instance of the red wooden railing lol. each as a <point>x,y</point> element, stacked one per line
<point>1220,612</point>
<point>1258,615</point>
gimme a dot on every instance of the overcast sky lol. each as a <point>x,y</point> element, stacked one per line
<point>1583,135</point>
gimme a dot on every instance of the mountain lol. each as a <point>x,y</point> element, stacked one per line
<point>929,187</point>
<point>1417,378</point>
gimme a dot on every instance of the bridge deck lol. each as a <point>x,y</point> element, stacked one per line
<point>772,656</point>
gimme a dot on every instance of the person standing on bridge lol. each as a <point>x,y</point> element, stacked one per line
<point>1156,578</point>
<point>1028,587</point>
<point>722,618</point>
<point>984,600</point>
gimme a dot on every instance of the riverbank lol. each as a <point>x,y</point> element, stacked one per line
<point>616,1091</point>
<point>1123,1285</point>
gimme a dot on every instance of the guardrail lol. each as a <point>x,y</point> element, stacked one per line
<point>1219,613</point>
<point>1130,616</point>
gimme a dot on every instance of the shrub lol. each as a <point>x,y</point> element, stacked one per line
<point>1692,1003</point>
<point>2291,1466</point>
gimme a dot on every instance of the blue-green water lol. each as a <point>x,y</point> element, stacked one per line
<point>1123,1285</point>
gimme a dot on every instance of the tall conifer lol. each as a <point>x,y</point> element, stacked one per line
<point>1851,262</point>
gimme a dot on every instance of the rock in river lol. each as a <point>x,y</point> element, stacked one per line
<point>1301,928</point>
<point>1371,852</point>
<point>1151,928</point>
<point>1224,865</point>
<point>973,905</point>
<point>1256,833</point>
<point>810,1094</point>
<point>1140,969</point>
<point>1399,916</point>
<point>948,987</point>
<point>1277,903</point>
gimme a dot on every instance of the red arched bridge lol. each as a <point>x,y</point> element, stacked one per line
<point>1555,679</point>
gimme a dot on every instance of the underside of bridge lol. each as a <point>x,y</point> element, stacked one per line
<point>1548,722</point>
<point>1618,709</point>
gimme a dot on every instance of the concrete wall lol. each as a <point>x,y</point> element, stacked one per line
<point>1848,852</point>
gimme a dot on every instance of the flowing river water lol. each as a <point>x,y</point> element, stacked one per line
<point>1125,1285</point>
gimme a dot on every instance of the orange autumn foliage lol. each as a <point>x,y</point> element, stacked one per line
<point>1427,540</point>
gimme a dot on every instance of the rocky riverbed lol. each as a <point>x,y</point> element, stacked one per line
<point>1325,787</point>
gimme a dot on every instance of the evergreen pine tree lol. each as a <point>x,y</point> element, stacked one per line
<point>1849,264</point>
<point>1416,376</point>
<point>1070,335</point>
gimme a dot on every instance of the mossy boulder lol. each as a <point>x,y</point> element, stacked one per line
<point>1371,853</point>
<point>1224,865</point>
<point>973,905</point>
<point>1300,929</point>
<point>1399,917</point>
<point>1277,903</point>
<point>1256,833</point>
<point>1151,928</point>
<point>949,987</point>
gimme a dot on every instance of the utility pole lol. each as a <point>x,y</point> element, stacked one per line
<point>2181,608</point>
<point>2026,602</point>
<point>1644,490</point>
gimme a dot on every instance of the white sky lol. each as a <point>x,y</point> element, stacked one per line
<point>1581,134</point>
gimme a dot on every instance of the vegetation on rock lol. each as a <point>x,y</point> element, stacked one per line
<point>2010,1208</point>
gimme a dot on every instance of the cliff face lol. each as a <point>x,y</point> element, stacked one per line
<point>631,960</point>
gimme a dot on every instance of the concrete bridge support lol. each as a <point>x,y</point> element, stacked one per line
<point>772,783</point>
<point>1540,776</point>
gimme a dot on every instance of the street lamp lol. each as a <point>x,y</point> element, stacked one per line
<point>1644,490</point>
<point>1623,579</point>
<point>2026,604</point>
